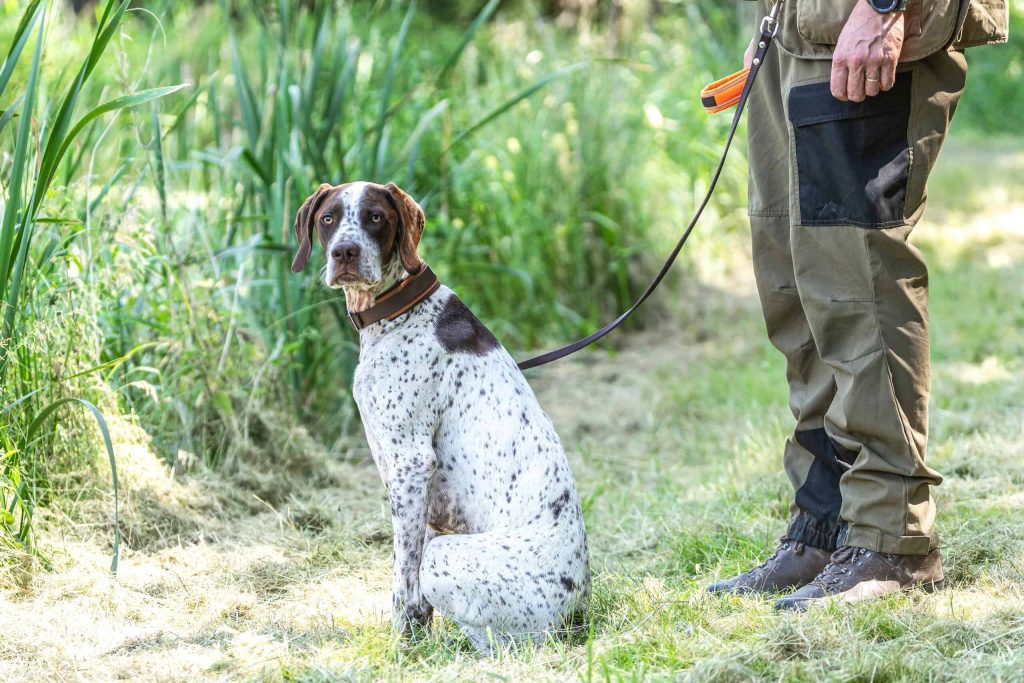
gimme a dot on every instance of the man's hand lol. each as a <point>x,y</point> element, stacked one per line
<point>868,51</point>
<point>748,56</point>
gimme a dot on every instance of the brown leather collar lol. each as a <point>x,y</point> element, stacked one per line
<point>398,300</point>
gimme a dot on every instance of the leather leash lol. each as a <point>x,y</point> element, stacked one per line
<point>769,27</point>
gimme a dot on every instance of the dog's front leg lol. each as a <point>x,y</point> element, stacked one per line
<point>407,491</point>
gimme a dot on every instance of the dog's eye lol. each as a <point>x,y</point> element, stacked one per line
<point>328,219</point>
<point>376,217</point>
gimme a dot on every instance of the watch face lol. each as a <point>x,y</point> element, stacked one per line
<point>885,6</point>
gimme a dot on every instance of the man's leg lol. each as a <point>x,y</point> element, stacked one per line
<point>814,528</point>
<point>860,173</point>
<point>812,461</point>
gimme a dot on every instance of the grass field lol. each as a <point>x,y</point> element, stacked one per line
<point>278,569</point>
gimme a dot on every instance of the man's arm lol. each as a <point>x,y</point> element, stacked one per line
<point>868,51</point>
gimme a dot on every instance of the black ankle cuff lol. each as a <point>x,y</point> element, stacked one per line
<point>814,532</point>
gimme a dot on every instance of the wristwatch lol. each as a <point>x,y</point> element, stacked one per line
<point>888,6</point>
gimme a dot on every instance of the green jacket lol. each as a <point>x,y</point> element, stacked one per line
<point>810,28</point>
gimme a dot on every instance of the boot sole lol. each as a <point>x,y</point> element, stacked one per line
<point>746,591</point>
<point>926,586</point>
<point>872,590</point>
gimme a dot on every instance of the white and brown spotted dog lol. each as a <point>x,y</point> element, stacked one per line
<point>487,522</point>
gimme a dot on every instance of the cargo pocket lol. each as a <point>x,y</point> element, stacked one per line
<point>853,158</point>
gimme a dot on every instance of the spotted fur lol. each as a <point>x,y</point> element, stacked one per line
<point>487,522</point>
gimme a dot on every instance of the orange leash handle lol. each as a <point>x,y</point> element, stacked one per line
<point>725,93</point>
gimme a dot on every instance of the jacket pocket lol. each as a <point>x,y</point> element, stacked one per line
<point>853,159</point>
<point>811,28</point>
<point>987,22</point>
<point>821,21</point>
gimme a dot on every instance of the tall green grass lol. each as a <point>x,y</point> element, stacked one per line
<point>45,133</point>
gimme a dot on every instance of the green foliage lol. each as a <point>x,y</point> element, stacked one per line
<point>34,165</point>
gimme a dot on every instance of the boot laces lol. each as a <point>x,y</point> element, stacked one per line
<point>839,565</point>
<point>784,544</point>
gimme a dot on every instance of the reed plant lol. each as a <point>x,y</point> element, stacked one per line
<point>45,132</point>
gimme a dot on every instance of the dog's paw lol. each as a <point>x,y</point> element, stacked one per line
<point>408,616</point>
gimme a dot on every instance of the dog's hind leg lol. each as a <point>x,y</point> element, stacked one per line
<point>517,585</point>
<point>484,641</point>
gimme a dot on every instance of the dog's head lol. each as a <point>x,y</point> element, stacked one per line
<point>370,233</point>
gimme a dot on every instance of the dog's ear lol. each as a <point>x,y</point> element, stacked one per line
<point>304,226</point>
<point>412,220</point>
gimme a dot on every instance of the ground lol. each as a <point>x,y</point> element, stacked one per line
<point>675,441</point>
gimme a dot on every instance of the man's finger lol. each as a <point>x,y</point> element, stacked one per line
<point>888,75</point>
<point>840,79</point>
<point>872,82</point>
<point>855,86</point>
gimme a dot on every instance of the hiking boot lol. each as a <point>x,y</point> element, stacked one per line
<point>856,574</point>
<point>792,565</point>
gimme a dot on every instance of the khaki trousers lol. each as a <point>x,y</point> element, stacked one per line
<point>835,190</point>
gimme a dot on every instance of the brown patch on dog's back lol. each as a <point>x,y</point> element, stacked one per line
<point>459,331</point>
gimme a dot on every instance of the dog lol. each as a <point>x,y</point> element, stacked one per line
<point>488,528</point>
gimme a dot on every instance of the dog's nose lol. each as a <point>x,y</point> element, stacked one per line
<point>345,251</point>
